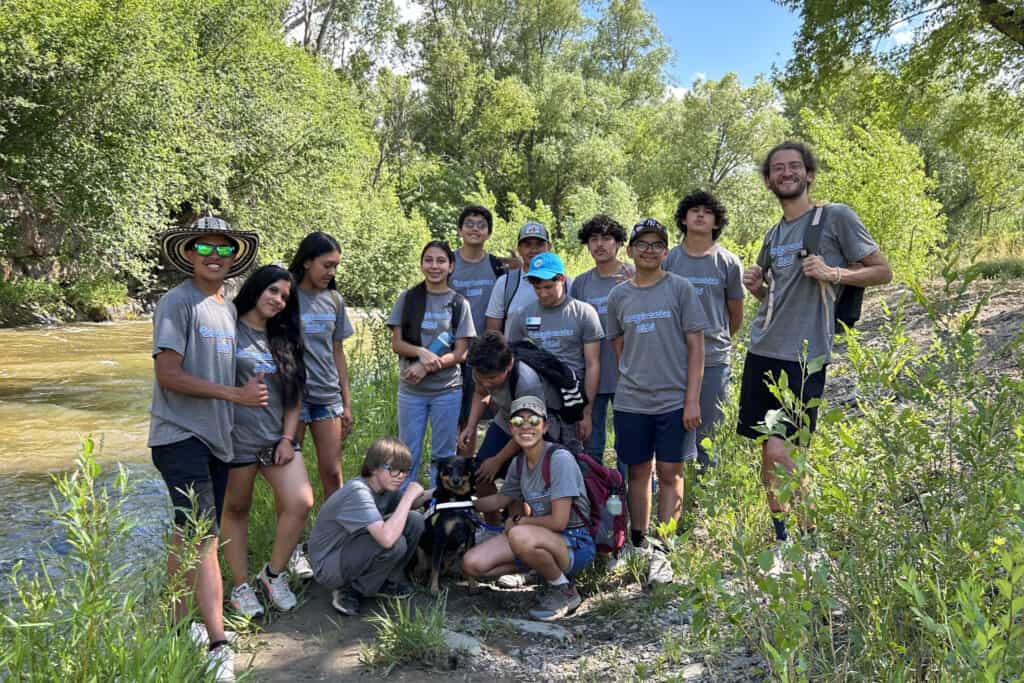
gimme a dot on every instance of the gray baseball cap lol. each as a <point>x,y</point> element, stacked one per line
<point>531,403</point>
<point>533,229</point>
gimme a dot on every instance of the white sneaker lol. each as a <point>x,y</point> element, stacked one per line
<point>298,564</point>
<point>660,570</point>
<point>245,602</point>
<point>221,662</point>
<point>277,589</point>
<point>619,563</point>
<point>197,632</point>
<point>780,565</point>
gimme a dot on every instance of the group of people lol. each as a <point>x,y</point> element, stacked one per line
<point>238,382</point>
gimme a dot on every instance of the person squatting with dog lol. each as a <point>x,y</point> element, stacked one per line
<point>236,385</point>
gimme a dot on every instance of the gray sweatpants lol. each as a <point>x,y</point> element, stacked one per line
<point>365,565</point>
<point>713,391</point>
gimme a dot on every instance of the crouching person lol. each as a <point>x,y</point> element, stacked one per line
<point>548,534</point>
<point>367,532</point>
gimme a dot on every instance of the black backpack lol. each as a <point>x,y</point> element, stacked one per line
<point>553,371</point>
<point>851,297</point>
<point>415,306</point>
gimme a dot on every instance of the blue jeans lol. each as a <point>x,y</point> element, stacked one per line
<point>599,431</point>
<point>442,410</point>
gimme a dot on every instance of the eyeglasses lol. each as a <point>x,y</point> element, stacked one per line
<point>392,471</point>
<point>519,420</point>
<point>474,225</point>
<point>223,250</point>
<point>641,245</point>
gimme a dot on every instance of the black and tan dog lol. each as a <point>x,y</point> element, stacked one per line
<point>450,532</point>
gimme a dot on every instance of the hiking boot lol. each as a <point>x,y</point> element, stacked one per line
<point>390,589</point>
<point>245,602</point>
<point>346,601</point>
<point>197,633</point>
<point>557,602</point>
<point>660,570</point>
<point>277,589</point>
<point>518,580</point>
<point>298,564</point>
<point>220,661</point>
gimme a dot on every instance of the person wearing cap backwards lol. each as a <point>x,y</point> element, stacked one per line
<point>549,535</point>
<point>568,328</point>
<point>192,413</point>
<point>510,293</point>
<point>656,324</point>
<point>717,275</point>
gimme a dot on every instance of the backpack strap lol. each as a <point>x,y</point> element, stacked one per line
<point>413,308</point>
<point>764,259</point>
<point>456,304</point>
<point>515,288</point>
<point>496,265</point>
<point>812,242</point>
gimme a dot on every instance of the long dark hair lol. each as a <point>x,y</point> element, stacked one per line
<point>313,245</point>
<point>284,330</point>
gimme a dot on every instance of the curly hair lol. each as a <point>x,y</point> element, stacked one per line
<point>602,225</point>
<point>706,199</point>
<point>810,162</point>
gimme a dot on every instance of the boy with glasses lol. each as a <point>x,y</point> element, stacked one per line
<point>367,532</point>
<point>656,324</point>
<point>192,411</point>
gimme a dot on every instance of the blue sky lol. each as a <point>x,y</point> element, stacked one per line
<point>714,38</point>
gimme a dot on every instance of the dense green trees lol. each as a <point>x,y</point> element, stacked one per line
<point>337,114</point>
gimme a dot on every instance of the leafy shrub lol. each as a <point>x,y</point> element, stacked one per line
<point>21,298</point>
<point>1001,269</point>
<point>95,294</point>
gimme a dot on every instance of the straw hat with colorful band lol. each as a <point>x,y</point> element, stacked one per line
<point>173,243</point>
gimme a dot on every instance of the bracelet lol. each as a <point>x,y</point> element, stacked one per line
<point>839,275</point>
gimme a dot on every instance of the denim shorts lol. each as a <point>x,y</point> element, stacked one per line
<point>581,551</point>
<point>315,412</point>
<point>189,465</point>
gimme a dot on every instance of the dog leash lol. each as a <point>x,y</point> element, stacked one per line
<point>464,508</point>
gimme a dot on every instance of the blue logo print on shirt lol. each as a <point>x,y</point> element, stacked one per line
<point>600,303</point>
<point>784,255</point>
<point>647,321</point>
<point>316,322</point>
<point>264,361</point>
<point>224,340</point>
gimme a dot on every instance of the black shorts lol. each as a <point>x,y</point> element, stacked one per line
<point>756,400</point>
<point>190,465</point>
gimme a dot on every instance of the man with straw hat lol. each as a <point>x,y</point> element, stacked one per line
<point>192,411</point>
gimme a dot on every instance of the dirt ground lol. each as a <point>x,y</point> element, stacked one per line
<point>315,643</point>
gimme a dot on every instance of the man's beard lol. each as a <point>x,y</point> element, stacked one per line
<point>801,187</point>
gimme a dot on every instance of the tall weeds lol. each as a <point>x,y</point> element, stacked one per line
<point>917,502</point>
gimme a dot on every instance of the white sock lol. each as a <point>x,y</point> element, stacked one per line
<point>560,581</point>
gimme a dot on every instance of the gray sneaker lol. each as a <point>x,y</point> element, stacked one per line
<point>346,601</point>
<point>556,603</point>
<point>518,580</point>
<point>660,570</point>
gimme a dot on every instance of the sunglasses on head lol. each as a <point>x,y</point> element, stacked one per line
<point>393,471</point>
<point>519,420</point>
<point>223,250</point>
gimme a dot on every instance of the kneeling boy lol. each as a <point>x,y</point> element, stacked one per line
<point>356,551</point>
<point>552,537</point>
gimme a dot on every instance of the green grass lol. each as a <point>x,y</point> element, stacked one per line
<point>999,269</point>
<point>406,635</point>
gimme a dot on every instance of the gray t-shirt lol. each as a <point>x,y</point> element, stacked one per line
<point>524,295</point>
<point>324,321</point>
<point>528,383</point>
<point>717,277</point>
<point>561,329</point>
<point>349,510</point>
<point>654,322</point>
<point>566,482</point>
<point>256,428</point>
<point>594,289</point>
<point>799,312</point>
<point>437,321</point>
<point>475,282</point>
<point>202,331</point>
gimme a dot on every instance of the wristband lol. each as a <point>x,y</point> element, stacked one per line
<point>516,518</point>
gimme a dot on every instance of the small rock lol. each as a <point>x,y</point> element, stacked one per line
<point>692,672</point>
<point>461,642</point>
<point>540,628</point>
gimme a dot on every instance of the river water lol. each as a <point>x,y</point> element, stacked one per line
<point>58,385</point>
